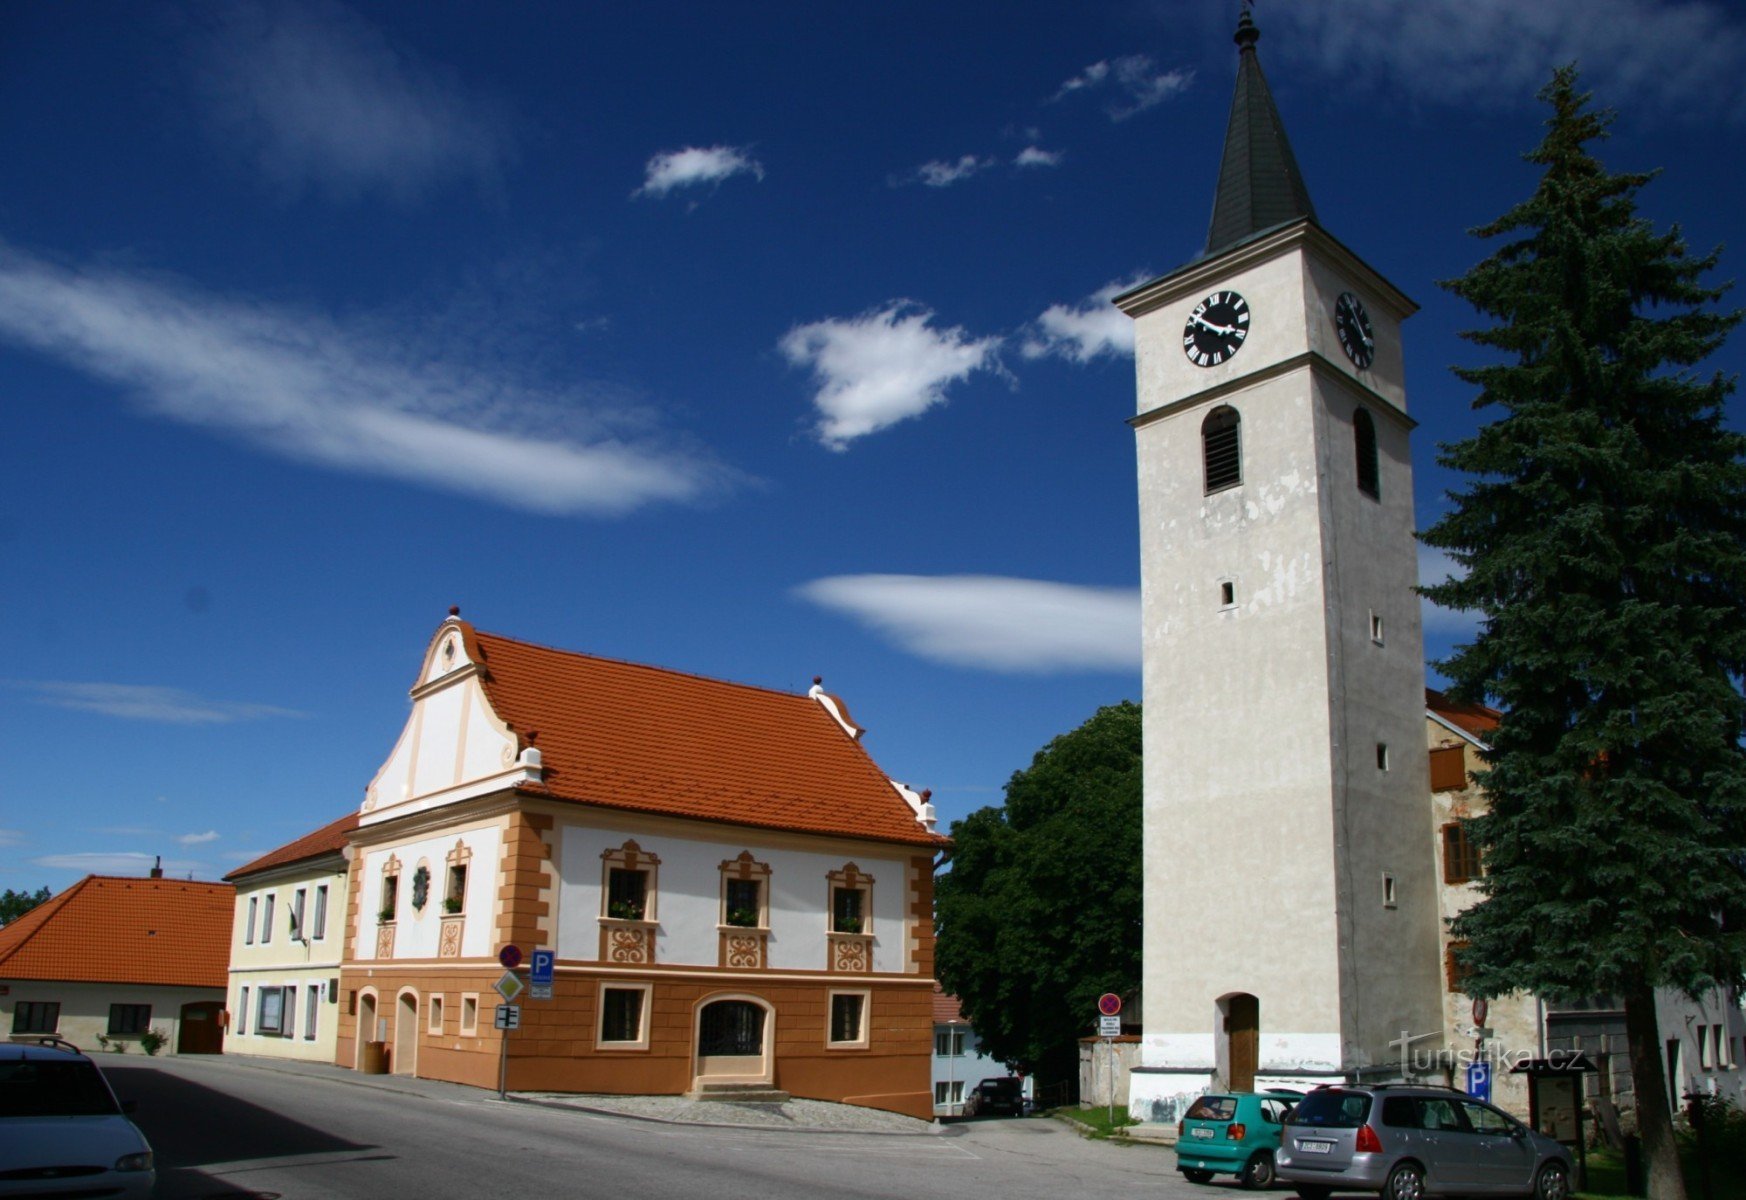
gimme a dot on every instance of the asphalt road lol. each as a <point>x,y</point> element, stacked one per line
<point>226,1127</point>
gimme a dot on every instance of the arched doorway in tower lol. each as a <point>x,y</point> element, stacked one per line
<point>734,1039</point>
<point>404,1060</point>
<point>1238,1040</point>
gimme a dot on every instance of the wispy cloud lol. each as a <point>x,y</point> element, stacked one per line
<point>1133,82</point>
<point>1090,329</point>
<point>1435,566</point>
<point>944,172</point>
<point>696,166</point>
<point>882,367</point>
<point>11,837</point>
<point>140,702</point>
<point>116,863</point>
<point>1685,60</point>
<point>308,388</point>
<point>1036,156</point>
<point>318,98</point>
<point>198,839</point>
<point>1017,626</point>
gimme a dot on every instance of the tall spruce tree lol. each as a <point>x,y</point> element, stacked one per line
<point>1603,535</point>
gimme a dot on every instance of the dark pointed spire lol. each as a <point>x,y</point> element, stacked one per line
<point>1259,183</point>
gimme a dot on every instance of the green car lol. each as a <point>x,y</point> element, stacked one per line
<point>1233,1133</point>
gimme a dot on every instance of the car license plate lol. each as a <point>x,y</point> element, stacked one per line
<point>1316,1147</point>
<point>1201,1133</point>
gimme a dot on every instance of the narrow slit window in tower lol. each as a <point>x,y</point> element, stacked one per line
<point>1221,448</point>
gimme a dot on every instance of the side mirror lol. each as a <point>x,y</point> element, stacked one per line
<point>1519,1132</point>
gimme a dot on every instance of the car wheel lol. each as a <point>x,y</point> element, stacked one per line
<point>1552,1183</point>
<point>1313,1191</point>
<point>1405,1182</point>
<point>1258,1174</point>
<point>1194,1176</point>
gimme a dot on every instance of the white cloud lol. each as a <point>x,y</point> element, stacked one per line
<point>1036,156</point>
<point>1134,81</point>
<point>1019,626</point>
<point>695,166</point>
<point>1685,59</point>
<point>944,173</point>
<point>11,837</point>
<point>318,97</point>
<point>116,863</point>
<point>1435,566</point>
<point>882,367</point>
<point>141,702</point>
<point>1087,330</point>
<point>198,839</point>
<point>310,389</point>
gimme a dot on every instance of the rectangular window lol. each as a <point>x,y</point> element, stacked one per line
<point>940,1092</point>
<point>436,1015</point>
<point>469,1014</point>
<point>744,901</point>
<point>267,919</point>
<point>621,1016</point>
<point>242,1011</point>
<point>848,1019</point>
<point>1227,594</point>
<point>1376,628</point>
<point>1453,971</point>
<point>297,904</point>
<point>36,1016</point>
<point>249,929</point>
<point>290,1013</point>
<point>1460,856</point>
<point>1449,768</point>
<point>1382,756</point>
<point>455,899</point>
<point>319,925</point>
<point>311,1009</point>
<point>627,894</point>
<point>270,1011</point>
<point>129,1018</point>
<point>1389,898</point>
<point>390,896</point>
<point>949,1043</point>
<point>1705,1061</point>
<point>846,910</point>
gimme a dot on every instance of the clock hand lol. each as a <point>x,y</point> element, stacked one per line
<point>1208,325</point>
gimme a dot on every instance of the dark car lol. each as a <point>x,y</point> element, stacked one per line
<point>1004,1096</point>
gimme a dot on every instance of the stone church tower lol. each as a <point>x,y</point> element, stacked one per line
<point>1291,921</point>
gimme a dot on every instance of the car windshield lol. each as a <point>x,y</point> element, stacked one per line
<point>37,1088</point>
<point>1332,1108</point>
<point>1213,1108</point>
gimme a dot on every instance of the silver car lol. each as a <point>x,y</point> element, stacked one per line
<point>62,1130</point>
<point>1411,1142</point>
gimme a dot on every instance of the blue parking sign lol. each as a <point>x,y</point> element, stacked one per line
<point>542,966</point>
<point>1479,1081</point>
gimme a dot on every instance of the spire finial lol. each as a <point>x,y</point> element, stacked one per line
<point>1247,34</point>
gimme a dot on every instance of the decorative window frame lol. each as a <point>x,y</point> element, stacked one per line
<point>849,951</point>
<point>629,941</point>
<point>385,914</point>
<point>863,1042</point>
<point>741,868</point>
<point>744,947</point>
<point>435,1003</point>
<point>460,857</point>
<point>646,1015</point>
<point>249,928</point>
<point>267,918</point>
<point>469,1006</point>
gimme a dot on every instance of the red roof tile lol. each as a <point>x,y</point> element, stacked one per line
<point>946,1010</point>
<point>1476,719</point>
<point>329,839</point>
<point>620,735</point>
<point>106,929</point>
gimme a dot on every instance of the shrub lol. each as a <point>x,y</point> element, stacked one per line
<point>152,1040</point>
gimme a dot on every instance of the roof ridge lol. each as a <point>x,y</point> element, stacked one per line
<point>641,666</point>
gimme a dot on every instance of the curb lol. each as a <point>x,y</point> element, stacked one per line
<point>933,1130</point>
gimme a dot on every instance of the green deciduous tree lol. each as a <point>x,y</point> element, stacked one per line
<point>1603,535</point>
<point>15,904</point>
<point>1040,913</point>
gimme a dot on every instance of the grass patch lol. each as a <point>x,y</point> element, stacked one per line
<point>1098,1119</point>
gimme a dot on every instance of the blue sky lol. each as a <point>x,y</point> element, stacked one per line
<point>758,341</point>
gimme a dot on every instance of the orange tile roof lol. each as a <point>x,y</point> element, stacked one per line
<point>1476,719</point>
<point>329,839</point>
<point>106,929</point>
<point>946,1009</point>
<point>621,735</point>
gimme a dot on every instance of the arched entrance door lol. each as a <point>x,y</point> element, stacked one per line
<point>200,1031</point>
<point>1239,1040</point>
<point>405,1059</point>
<point>733,1041</point>
<point>366,1027</point>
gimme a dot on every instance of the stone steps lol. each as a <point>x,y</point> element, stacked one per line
<point>738,1093</point>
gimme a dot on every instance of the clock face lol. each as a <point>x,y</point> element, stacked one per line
<point>1352,323</point>
<point>1216,329</point>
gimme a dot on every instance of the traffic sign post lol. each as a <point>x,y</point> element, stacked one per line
<point>508,1015</point>
<point>1109,1026</point>
<point>1479,1080</point>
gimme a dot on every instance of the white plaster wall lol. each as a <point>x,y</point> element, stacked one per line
<point>1683,1018</point>
<point>85,1009</point>
<point>417,932</point>
<point>321,1048</point>
<point>688,904</point>
<point>281,950</point>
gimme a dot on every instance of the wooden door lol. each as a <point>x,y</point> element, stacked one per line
<point>201,1032</point>
<point>1243,1027</point>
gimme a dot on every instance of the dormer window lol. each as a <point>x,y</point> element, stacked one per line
<point>1221,449</point>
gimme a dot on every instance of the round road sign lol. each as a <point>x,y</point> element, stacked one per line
<point>510,957</point>
<point>1109,1004</point>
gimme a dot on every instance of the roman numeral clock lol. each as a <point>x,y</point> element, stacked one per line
<point>1216,329</point>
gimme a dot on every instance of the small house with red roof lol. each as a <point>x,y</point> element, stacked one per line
<point>112,960</point>
<point>287,931</point>
<point>737,897</point>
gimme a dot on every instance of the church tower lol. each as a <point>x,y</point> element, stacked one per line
<point>1291,922</point>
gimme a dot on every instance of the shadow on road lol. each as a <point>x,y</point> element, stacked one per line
<point>190,1126</point>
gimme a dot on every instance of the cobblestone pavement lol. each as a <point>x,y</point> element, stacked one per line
<point>791,1114</point>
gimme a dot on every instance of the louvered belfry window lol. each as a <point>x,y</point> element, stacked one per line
<point>1221,447</point>
<point>1364,439</point>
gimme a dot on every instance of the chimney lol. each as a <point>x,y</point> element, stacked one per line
<point>158,867</point>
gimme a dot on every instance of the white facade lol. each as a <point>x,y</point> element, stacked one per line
<point>286,945</point>
<point>86,1017</point>
<point>1285,852</point>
